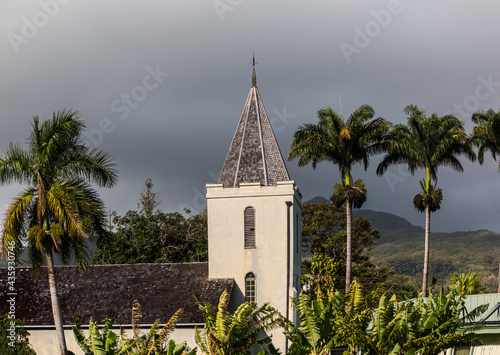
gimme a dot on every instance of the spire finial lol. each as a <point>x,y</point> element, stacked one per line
<point>254,77</point>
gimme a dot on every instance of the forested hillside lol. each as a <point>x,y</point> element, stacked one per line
<point>401,245</point>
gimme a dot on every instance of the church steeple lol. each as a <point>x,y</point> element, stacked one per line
<point>254,218</point>
<point>254,155</point>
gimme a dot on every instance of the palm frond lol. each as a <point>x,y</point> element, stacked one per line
<point>16,166</point>
<point>16,220</point>
<point>92,164</point>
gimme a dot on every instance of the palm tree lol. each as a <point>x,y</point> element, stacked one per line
<point>486,135</point>
<point>427,142</point>
<point>59,211</point>
<point>344,143</point>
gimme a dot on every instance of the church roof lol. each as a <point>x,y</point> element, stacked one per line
<point>254,155</point>
<point>109,290</point>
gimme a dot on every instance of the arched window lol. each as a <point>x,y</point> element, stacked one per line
<point>249,217</point>
<point>250,288</point>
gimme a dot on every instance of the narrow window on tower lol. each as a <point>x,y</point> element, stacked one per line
<point>250,288</point>
<point>249,217</point>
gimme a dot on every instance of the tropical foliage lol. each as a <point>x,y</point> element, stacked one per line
<point>324,238</point>
<point>354,317</point>
<point>13,337</point>
<point>426,142</point>
<point>323,232</point>
<point>344,143</point>
<point>229,334</point>
<point>468,283</point>
<point>422,326</point>
<point>486,135</point>
<point>103,341</point>
<point>59,211</point>
<point>316,333</point>
<point>391,327</point>
<point>149,235</point>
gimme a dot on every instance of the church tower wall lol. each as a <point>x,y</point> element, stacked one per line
<point>254,218</point>
<point>275,259</point>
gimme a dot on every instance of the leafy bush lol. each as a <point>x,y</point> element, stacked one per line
<point>103,341</point>
<point>13,337</point>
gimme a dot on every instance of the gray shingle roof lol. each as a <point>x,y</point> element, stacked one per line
<point>110,290</point>
<point>254,155</point>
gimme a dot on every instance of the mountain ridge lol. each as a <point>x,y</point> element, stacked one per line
<point>401,246</point>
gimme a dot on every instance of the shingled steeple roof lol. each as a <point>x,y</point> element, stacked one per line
<point>254,155</point>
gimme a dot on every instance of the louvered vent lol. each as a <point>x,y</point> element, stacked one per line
<point>250,228</point>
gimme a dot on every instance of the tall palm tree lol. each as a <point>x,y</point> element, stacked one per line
<point>486,135</point>
<point>427,142</point>
<point>344,143</point>
<point>59,211</point>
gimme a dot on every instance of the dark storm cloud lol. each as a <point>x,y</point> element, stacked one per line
<point>96,57</point>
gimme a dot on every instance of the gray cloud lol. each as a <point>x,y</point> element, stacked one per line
<point>88,54</point>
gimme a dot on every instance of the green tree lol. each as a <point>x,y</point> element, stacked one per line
<point>379,278</point>
<point>468,283</point>
<point>230,334</point>
<point>344,143</point>
<point>486,135</point>
<point>427,142</point>
<point>59,211</point>
<point>148,200</point>
<point>13,337</point>
<point>323,231</point>
<point>324,236</point>
<point>150,235</point>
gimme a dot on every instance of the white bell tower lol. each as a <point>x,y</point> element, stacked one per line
<point>254,218</point>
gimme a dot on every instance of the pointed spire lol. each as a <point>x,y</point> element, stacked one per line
<point>254,155</point>
<point>254,77</point>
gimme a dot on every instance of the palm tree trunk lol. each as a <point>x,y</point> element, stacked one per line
<point>426,250</point>
<point>348,208</point>
<point>498,290</point>
<point>54,298</point>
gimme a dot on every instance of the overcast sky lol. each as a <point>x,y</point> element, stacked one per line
<point>161,86</point>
